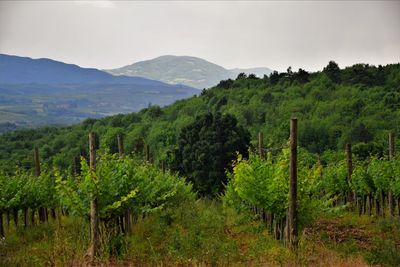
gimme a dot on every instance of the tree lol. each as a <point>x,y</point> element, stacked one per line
<point>226,84</point>
<point>301,76</point>
<point>274,77</point>
<point>361,134</point>
<point>332,70</point>
<point>206,148</point>
<point>241,76</point>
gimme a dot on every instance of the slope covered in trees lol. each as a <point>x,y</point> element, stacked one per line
<point>358,104</point>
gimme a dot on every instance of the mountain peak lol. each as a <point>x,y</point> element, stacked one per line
<point>187,70</point>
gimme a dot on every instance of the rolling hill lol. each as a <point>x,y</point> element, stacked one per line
<point>191,71</point>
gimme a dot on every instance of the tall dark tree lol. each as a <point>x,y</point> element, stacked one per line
<point>206,149</point>
<point>226,84</point>
<point>302,76</point>
<point>252,76</point>
<point>274,77</point>
<point>361,134</point>
<point>332,70</point>
<point>241,76</point>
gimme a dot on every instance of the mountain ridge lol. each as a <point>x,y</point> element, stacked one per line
<point>188,70</point>
<point>24,70</point>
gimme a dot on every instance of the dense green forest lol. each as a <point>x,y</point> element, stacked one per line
<point>358,104</point>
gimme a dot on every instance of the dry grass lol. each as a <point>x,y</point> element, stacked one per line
<point>201,235</point>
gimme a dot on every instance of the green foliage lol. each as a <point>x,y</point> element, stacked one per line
<point>334,181</point>
<point>25,190</point>
<point>332,70</point>
<point>371,177</point>
<point>120,184</point>
<point>381,173</point>
<point>206,149</point>
<point>264,184</point>
<point>361,180</point>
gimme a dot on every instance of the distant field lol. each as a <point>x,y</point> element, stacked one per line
<point>37,105</point>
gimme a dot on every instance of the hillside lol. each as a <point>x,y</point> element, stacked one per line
<point>191,71</point>
<point>25,70</point>
<point>37,92</point>
<point>358,104</point>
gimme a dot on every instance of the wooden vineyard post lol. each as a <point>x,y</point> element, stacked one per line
<point>147,152</point>
<point>163,166</point>
<point>127,216</point>
<point>37,161</point>
<point>8,218</point>
<point>94,223</point>
<point>391,155</point>
<point>15,217</point>
<point>292,215</point>
<point>349,171</point>
<point>1,224</point>
<point>262,156</point>
<point>120,145</point>
<point>261,145</point>
<point>41,211</point>
<point>76,165</point>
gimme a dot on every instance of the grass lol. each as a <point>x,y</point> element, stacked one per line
<point>51,244</point>
<point>201,233</point>
<point>375,240</point>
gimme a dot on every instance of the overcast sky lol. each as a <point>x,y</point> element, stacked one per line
<point>108,34</point>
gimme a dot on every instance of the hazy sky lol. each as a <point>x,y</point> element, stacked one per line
<point>109,34</point>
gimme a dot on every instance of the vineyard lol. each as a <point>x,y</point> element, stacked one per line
<point>284,189</point>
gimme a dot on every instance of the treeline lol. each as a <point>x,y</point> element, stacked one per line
<point>359,105</point>
<point>7,127</point>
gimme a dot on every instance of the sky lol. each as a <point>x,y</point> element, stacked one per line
<point>111,34</point>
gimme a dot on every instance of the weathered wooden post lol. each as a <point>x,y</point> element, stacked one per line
<point>147,152</point>
<point>1,224</point>
<point>120,145</point>
<point>37,161</point>
<point>15,217</point>
<point>25,215</point>
<point>41,212</point>
<point>127,216</point>
<point>261,145</point>
<point>292,216</point>
<point>163,166</point>
<point>349,154</point>
<point>8,218</point>
<point>391,155</point>
<point>94,223</point>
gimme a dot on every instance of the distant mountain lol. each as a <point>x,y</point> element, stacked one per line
<point>37,92</point>
<point>190,71</point>
<point>23,70</point>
